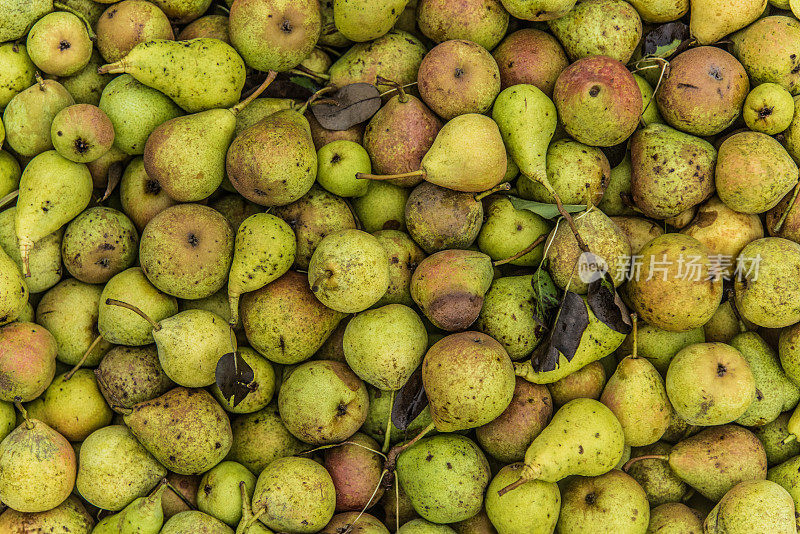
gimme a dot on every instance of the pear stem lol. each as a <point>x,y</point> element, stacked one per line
<point>255,518</point>
<point>632,461</point>
<point>368,176</point>
<point>522,252</point>
<point>635,321</point>
<point>505,186</point>
<point>8,198</point>
<point>779,224</point>
<point>83,359</point>
<point>511,487</point>
<point>25,248</point>
<point>308,73</point>
<point>180,496</point>
<point>398,88</point>
<point>28,423</point>
<point>397,506</point>
<point>118,67</point>
<point>255,94</point>
<point>387,442</point>
<point>547,185</point>
<point>788,439</point>
<point>314,97</point>
<point>330,50</point>
<point>39,80</point>
<point>134,309</point>
<point>233,302</point>
<point>113,178</point>
<point>391,458</point>
<point>234,344</point>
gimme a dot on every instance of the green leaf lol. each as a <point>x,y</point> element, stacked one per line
<point>307,83</point>
<point>548,211</point>
<point>546,293</point>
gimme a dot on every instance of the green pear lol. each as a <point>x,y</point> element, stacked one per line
<point>753,506</point>
<point>356,523</point>
<point>382,207</point>
<point>197,75</point>
<point>773,437</point>
<point>786,474</point>
<point>263,381</point>
<point>638,230</point>
<point>219,494</point>
<point>120,326</point>
<point>69,516</point>
<point>440,219</point>
<point>37,468</point>
<point>612,502</point>
<point>323,402</point>
<point>28,115</point>
<point>141,197</point>
<point>10,173</point>
<point>274,34</point>
<point>675,518</point>
<point>444,476</point>
<point>714,19</point>
<point>768,109</point>
<point>508,231</point>
<point>115,469</point>
<point>338,164</point>
<point>349,271</point>
<point>260,108</point>
<point>789,352</point>
<point>469,380</point>
<point>380,409</point>
<point>404,255</point>
<point>385,345</point>
<point>585,383</point>
<point>58,44</point>
<point>249,525</point>
<point>216,303</point>
<point>273,162</point>
<point>18,72</point>
<point>86,86</point>
<point>186,430</point>
<point>663,182</point>
<point>235,209</point>
<point>186,251</point>
<point>765,48</point>
<point>659,346</point>
<point>127,376</point>
<point>526,130</point>
<point>500,317</point>
<point>768,270</point>
<point>654,475</point>
<point>193,522</point>
<point>361,20</point>
<point>8,419</point>
<point>637,396</point>
<point>74,406</point>
<point>422,526</point>
<point>263,251</point>
<point>261,437</point>
<point>13,290</point>
<point>143,515</point>
<point>45,257</point>
<point>650,115</point>
<point>135,111</point>
<point>533,508</point>
<point>538,9</point>
<point>294,495</point>
<point>27,361</point>
<point>118,31</point>
<point>449,287</point>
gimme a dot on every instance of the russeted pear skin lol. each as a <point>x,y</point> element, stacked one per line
<point>711,20</point>
<point>144,515</point>
<point>753,506</point>
<point>13,290</point>
<point>28,116</point>
<point>765,48</point>
<point>532,508</point>
<point>70,514</point>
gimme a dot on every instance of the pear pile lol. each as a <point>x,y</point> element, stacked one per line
<point>413,266</point>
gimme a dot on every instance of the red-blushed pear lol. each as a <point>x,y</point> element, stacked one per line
<point>27,361</point>
<point>530,56</point>
<point>128,23</point>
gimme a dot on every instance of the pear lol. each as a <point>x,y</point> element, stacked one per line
<point>9,173</point>
<point>29,114</point>
<point>128,24</point>
<point>659,346</point>
<point>660,11</point>
<point>770,172</point>
<point>214,80</point>
<point>404,256</point>
<point>765,48</point>
<point>69,516</point>
<point>356,469</point>
<point>538,9</point>
<point>612,502</point>
<point>533,508</point>
<point>143,515</point>
<point>421,526</point>
<point>261,437</point>
<point>655,476</point>
<point>18,71</point>
<point>322,136</point>
<point>74,406</point>
<point>349,271</point>
<point>323,402</point>
<point>712,20</point>
<point>58,44</point>
<point>86,86</point>
<point>338,164</point>
<point>508,231</point>
<point>135,110</point>
<point>315,215</point>
<point>380,408</point>
<point>356,522</point>
<point>127,376</point>
<point>526,130</point>
<point>484,22</point>
<point>398,136</point>
<point>395,56</point>
<point>235,209</point>
<point>45,257</point>
<point>199,439</point>
<point>260,108</point>
<point>598,101</point>
<point>704,91</point>
<point>444,476</point>
<point>594,444</point>
<point>113,482</point>
<point>186,251</point>
<point>578,174</point>
<point>263,251</point>
<point>255,169</point>
<point>614,29</point>
<point>508,436</point>
<point>27,361</point>
<point>638,230</point>
<point>384,346</point>
<point>262,386</point>
<point>788,345</point>
<point>664,182</point>
<point>18,18</point>
<point>530,56</point>
<point>82,133</point>
<point>439,219</point>
<point>768,109</point>
<point>674,518</point>
<point>214,26</point>
<point>449,287</point>
<point>768,268</point>
<point>141,197</point>
<point>295,495</point>
<point>274,34</point>
<point>195,523</point>
<point>773,436</point>
<point>182,494</point>
<point>186,155</point>
<point>219,494</point>
<point>695,293</point>
<point>585,383</point>
<point>597,341</point>
<point>37,468</point>
<point>450,372</point>
<point>500,317</point>
<point>362,20</point>
<point>13,290</point>
<point>753,506</point>
<point>8,419</point>
<point>249,525</point>
<point>382,207</point>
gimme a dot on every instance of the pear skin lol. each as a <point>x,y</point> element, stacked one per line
<point>712,20</point>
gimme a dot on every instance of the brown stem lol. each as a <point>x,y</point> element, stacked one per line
<point>635,321</point>
<point>387,442</point>
<point>522,252</point>
<point>512,486</point>
<point>181,496</point>
<point>78,365</point>
<point>118,67</point>
<point>28,423</point>
<point>300,70</point>
<point>632,461</point>
<point>368,176</point>
<point>314,97</point>
<point>131,307</point>
<point>255,94</point>
<point>398,88</point>
<point>391,458</point>
<point>505,186</point>
<point>570,221</point>
<point>8,198</point>
<point>39,80</point>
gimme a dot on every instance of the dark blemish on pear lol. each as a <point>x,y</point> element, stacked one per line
<point>64,45</point>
